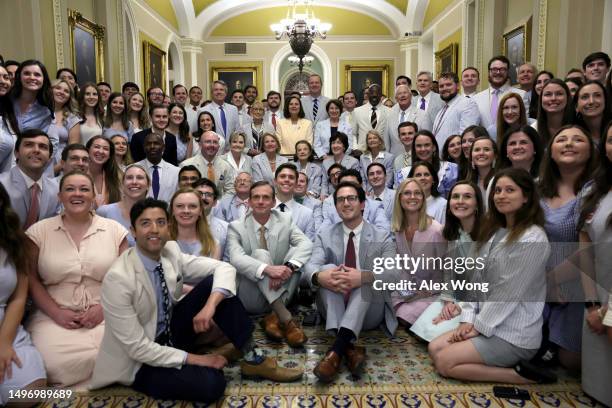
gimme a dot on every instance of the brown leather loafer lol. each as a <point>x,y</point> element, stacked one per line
<point>270,370</point>
<point>327,369</point>
<point>228,351</point>
<point>355,358</point>
<point>271,326</point>
<point>294,334</point>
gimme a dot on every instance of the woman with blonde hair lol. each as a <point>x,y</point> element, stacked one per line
<point>236,157</point>
<point>375,152</point>
<point>123,157</point>
<point>189,226</point>
<point>138,113</point>
<point>265,164</point>
<point>416,235</point>
<point>65,127</point>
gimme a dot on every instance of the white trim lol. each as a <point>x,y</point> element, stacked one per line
<point>185,15</point>
<point>448,10</point>
<point>315,50</point>
<point>129,13</point>
<point>328,40</point>
<point>340,71</point>
<point>177,61</point>
<point>154,15</point>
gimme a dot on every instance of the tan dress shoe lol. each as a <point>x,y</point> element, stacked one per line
<point>355,358</point>
<point>271,326</point>
<point>228,351</point>
<point>294,334</point>
<point>270,370</point>
<point>328,367</point>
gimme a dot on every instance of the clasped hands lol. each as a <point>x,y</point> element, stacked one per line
<point>340,279</point>
<point>69,319</point>
<point>278,274</point>
<point>465,331</point>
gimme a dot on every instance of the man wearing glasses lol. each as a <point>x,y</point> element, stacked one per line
<point>488,100</point>
<point>340,270</point>
<point>218,227</point>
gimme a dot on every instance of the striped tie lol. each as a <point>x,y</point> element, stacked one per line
<point>315,109</point>
<point>373,119</point>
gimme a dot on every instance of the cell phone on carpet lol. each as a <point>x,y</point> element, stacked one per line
<point>511,393</point>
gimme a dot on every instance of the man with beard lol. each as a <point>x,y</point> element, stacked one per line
<point>274,113</point>
<point>488,100</point>
<point>250,94</point>
<point>372,115</point>
<point>458,111</point>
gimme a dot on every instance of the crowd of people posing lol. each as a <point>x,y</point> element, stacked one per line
<point>149,231</point>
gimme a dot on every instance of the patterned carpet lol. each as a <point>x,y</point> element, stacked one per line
<point>398,374</point>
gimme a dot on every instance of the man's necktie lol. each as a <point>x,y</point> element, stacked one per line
<point>165,336</point>
<point>32,216</point>
<point>282,206</point>
<point>373,119</point>
<point>223,120</point>
<point>407,159</point>
<point>403,117</point>
<point>350,260</point>
<point>299,200</point>
<point>378,199</point>
<point>262,238</point>
<point>494,105</point>
<point>211,172</point>
<point>315,109</point>
<point>274,120</point>
<point>422,107</point>
<point>155,182</point>
<point>439,124</point>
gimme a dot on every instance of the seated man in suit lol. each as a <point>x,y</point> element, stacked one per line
<point>340,269</point>
<point>232,207</point>
<point>373,211</point>
<point>300,196</point>
<point>377,174</point>
<point>218,227</point>
<point>163,175</point>
<point>188,175</point>
<point>285,179</point>
<point>268,250</point>
<point>211,165</point>
<point>33,195</point>
<point>150,331</point>
<point>159,122</point>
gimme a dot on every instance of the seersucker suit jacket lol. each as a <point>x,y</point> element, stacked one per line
<point>18,192</point>
<point>413,114</point>
<point>307,104</point>
<point>260,167</point>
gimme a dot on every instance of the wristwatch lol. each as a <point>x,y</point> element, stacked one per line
<point>315,279</point>
<point>291,266</point>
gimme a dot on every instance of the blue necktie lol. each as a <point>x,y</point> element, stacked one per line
<point>223,120</point>
<point>165,337</point>
<point>315,109</point>
<point>155,182</point>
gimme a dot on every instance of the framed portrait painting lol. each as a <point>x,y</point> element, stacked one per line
<point>358,78</point>
<point>516,46</point>
<point>154,66</point>
<point>447,59</point>
<point>87,46</point>
<point>234,77</point>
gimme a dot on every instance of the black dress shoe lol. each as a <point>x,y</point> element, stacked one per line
<point>534,373</point>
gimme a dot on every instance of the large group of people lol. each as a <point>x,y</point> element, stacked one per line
<point>149,230</point>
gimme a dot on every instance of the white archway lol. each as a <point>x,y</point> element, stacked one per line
<point>131,48</point>
<point>174,50</point>
<point>315,50</point>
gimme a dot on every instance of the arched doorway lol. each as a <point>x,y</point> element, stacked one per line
<point>296,82</point>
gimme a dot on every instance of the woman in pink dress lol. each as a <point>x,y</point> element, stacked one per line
<point>417,235</point>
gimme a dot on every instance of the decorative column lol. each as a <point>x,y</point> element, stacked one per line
<point>192,48</point>
<point>409,46</point>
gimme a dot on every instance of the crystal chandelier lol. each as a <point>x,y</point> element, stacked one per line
<point>301,29</point>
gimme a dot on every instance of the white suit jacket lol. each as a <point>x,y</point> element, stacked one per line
<point>413,114</point>
<point>322,134</point>
<point>130,311</point>
<point>362,117</point>
<point>433,106</point>
<point>168,179</point>
<point>461,113</point>
<point>18,192</point>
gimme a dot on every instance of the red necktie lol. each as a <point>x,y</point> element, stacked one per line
<point>274,120</point>
<point>350,260</point>
<point>32,216</point>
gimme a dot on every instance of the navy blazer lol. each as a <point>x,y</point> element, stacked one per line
<point>137,147</point>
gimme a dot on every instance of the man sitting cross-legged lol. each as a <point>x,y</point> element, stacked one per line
<point>150,333</point>
<point>268,250</point>
<point>340,269</point>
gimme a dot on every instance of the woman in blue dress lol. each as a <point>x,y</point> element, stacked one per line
<point>21,366</point>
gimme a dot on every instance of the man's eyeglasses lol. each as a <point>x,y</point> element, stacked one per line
<point>498,70</point>
<point>352,199</point>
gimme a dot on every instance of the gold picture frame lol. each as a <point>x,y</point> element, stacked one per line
<point>87,48</point>
<point>154,66</point>
<point>235,77</point>
<point>516,46</point>
<point>447,59</point>
<point>358,78</point>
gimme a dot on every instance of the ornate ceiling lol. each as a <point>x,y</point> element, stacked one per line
<point>207,19</point>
